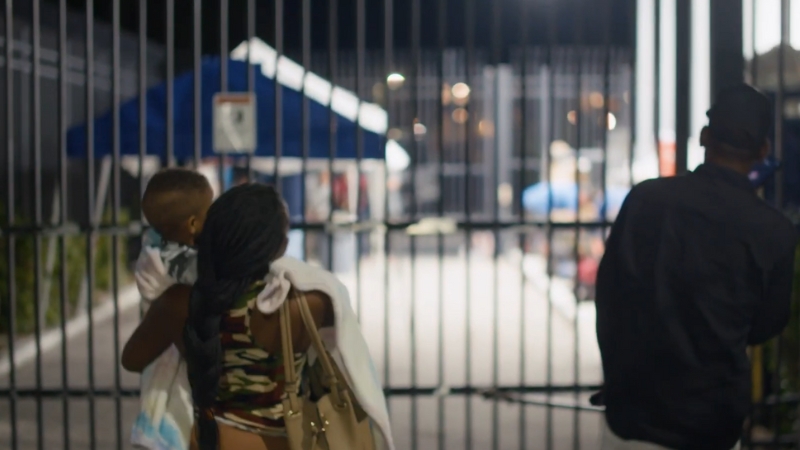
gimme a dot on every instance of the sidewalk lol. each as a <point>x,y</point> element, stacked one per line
<point>479,332</point>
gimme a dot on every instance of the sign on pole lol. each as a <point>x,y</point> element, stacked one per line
<point>234,122</point>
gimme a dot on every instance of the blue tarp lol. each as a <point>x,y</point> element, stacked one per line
<point>184,120</point>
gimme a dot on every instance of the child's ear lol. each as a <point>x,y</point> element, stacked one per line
<point>192,222</point>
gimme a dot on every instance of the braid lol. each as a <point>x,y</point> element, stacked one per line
<point>244,232</point>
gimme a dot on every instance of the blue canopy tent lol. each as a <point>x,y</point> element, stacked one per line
<point>183,101</point>
<point>184,126</point>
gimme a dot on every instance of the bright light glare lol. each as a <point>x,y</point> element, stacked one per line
<point>460,91</point>
<point>612,121</point>
<point>395,81</point>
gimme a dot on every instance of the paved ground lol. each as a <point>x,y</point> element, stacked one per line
<point>469,326</point>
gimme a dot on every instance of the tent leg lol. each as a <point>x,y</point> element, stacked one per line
<point>51,259</point>
<point>99,209</point>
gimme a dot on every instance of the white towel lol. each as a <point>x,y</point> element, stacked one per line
<point>166,416</point>
<point>344,340</point>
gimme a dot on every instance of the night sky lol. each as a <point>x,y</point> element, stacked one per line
<point>577,21</point>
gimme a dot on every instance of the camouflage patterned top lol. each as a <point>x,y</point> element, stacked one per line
<point>252,382</point>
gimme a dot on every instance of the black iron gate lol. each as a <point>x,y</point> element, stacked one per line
<point>465,207</point>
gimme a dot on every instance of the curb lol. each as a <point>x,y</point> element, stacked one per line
<point>25,351</point>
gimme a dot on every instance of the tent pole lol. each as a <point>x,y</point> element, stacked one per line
<point>99,209</point>
<point>51,257</point>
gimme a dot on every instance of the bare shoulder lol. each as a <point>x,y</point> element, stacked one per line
<point>321,307</point>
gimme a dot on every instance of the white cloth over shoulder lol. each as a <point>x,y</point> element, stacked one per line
<point>344,340</point>
<point>166,415</point>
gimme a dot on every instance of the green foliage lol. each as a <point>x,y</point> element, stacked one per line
<point>76,251</point>
<point>789,348</point>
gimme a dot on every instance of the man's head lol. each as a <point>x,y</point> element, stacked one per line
<point>738,125</point>
<point>175,203</point>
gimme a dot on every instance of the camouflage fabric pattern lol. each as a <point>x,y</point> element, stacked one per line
<point>252,383</point>
<point>180,260</point>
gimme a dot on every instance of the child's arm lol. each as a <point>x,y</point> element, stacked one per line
<point>161,327</point>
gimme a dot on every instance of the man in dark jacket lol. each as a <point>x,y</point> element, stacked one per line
<point>697,268</point>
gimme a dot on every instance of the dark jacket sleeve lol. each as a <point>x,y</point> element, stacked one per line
<point>772,314</point>
<point>607,274</point>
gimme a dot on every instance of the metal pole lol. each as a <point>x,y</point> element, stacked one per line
<point>279,17</point>
<point>62,211</point>
<point>197,47</point>
<point>37,208</point>
<point>727,40</point>
<point>683,84</point>
<point>92,222</point>
<point>116,103</point>
<point>11,255</point>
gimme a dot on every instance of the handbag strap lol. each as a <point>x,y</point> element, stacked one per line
<point>322,353</point>
<point>291,380</point>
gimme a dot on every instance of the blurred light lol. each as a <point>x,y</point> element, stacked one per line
<point>420,129</point>
<point>572,117</point>
<point>460,91</point>
<point>397,159</point>
<point>584,164</point>
<point>612,121</point>
<point>460,115</point>
<point>560,149</point>
<point>446,96</point>
<point>626,97</point>
<point>596,100</point>
<point>505,194</point>
<point>395,134</point>
<point>377,92</point>
<point>486,128</point>
<point>395,81</point>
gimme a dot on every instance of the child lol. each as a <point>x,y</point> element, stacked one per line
<point>175,204</point>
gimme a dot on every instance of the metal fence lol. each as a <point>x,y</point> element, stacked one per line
<point>475,298</point>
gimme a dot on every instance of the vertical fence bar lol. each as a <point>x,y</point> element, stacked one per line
<point>496,43</point>
<point>552,40</point>
<point>632,94</point>
<point>62,193</point>
<point>442,42</point>
<point>197,49</point>
<point>683,47</point>
<point>305,118</point>
<point>37,213</point>
<point>90,216</point>
<point>11,242</point>
<point>388,54</point>
<point>223,76</point>
<point>333,122</point>
<point>251,75</point>
<point>278,95</point>
<point>116,103</point>
<point>142,67</point>
<point>415,93</point>
<point>578,58</point>
<point>142,91</point>
<point>779,185</point>
<point>469,30</point>
<point>779,100</point>
<point>360,61</point>
<point>170,32</point>
<point>523,310</point>
<point>657,84</point>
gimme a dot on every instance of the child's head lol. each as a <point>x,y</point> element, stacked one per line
<point>175,203</point>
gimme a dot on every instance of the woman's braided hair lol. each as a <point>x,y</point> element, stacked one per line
<point>245,230</point>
